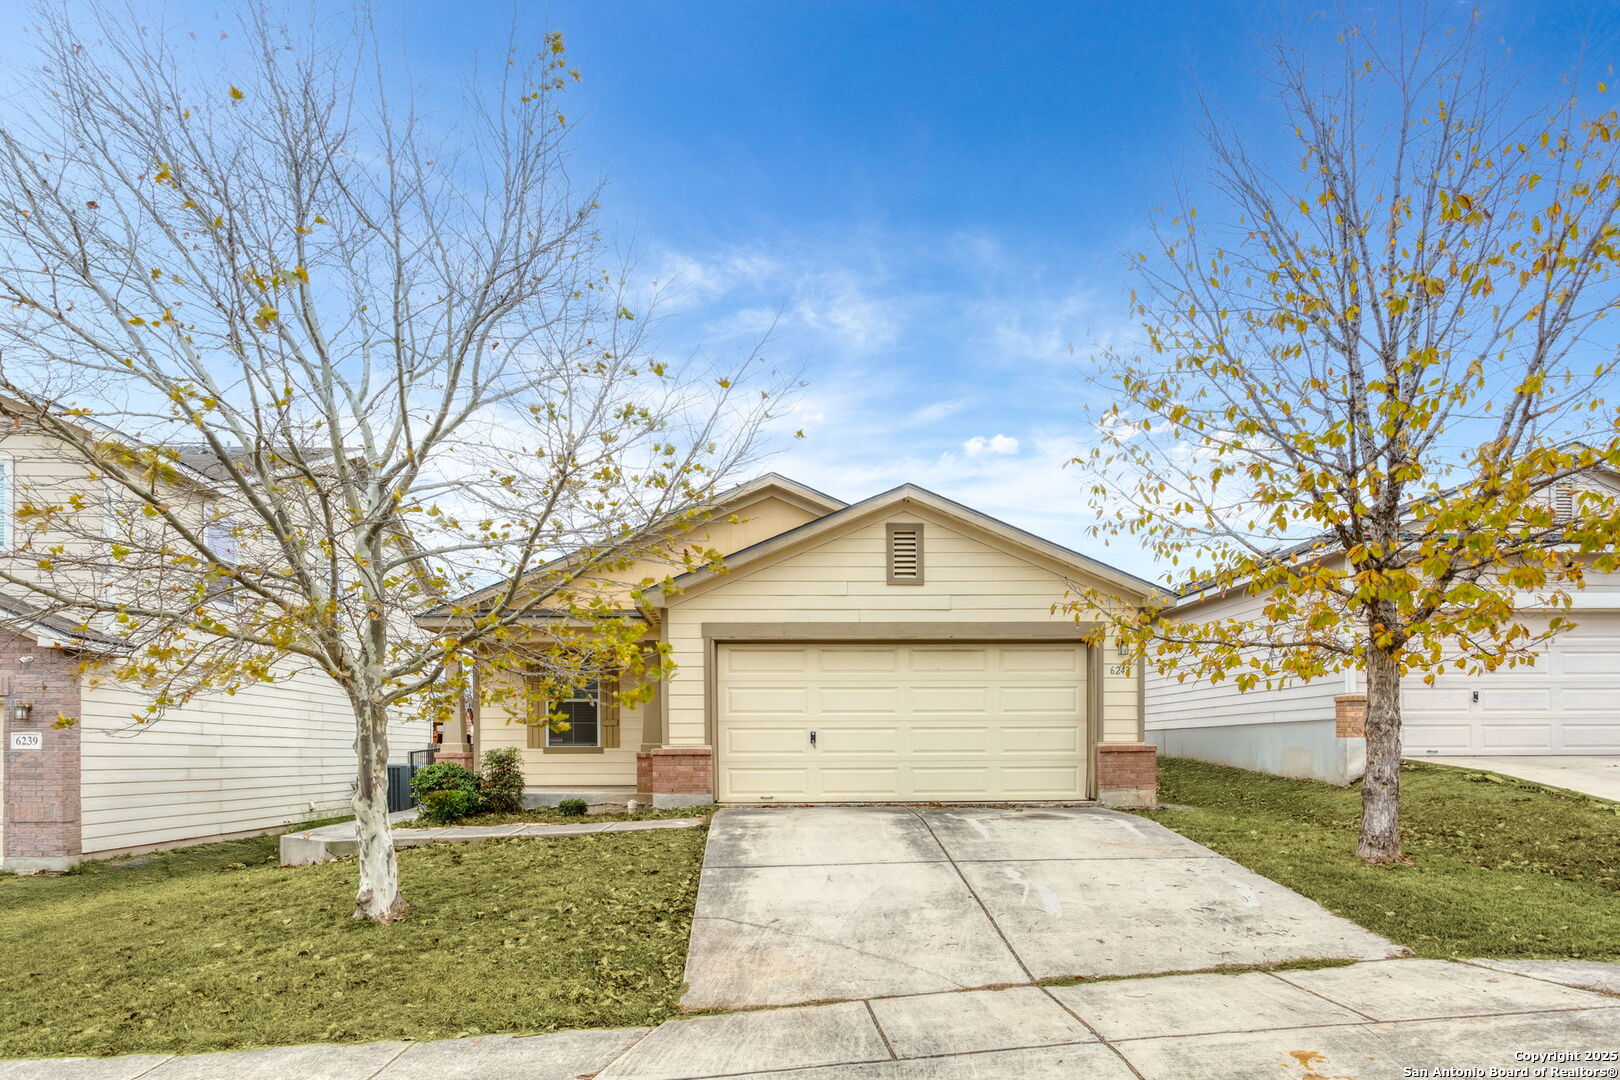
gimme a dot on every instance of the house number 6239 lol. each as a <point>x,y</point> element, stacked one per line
<point>27,740</point>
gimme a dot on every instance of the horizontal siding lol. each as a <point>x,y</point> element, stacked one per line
<point>263,757</point>
<point>759,520</point>
<point>1173,703</point>
<point>1170,703</point>
<point>613,767</point>
<point>966,579</point>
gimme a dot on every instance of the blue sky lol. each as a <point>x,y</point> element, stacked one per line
<point>931,199</point>
<point>935,196</point>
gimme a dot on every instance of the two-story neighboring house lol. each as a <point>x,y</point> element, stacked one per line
<point>903,648</point>
<point>105,783</point>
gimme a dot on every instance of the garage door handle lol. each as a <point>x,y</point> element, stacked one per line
<point>812,738</point>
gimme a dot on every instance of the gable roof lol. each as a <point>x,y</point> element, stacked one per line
<point>48,628</point>
<point>726,502</point>
<point>1322,546</point>
<point>776,484</point>
<point>849,515</point>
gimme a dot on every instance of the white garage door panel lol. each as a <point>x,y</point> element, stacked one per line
<point>1515,738</point>
<point>1591,738</point>
<point>957,722</point>
<point>757,782</point>
<point>1568,703</point>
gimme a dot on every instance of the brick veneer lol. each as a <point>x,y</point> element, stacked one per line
<point>676,770</point>
<point>40,801</point>
<point>1127,774</point>
<point>1350,716</point>
<point>463,758</point>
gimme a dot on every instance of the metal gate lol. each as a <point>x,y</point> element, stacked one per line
<point>399,780</point>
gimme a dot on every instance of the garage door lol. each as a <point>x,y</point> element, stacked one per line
<point>855,723</point>
<point>1569,703</point>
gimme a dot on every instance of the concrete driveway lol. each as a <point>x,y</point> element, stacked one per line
<point>1599,776</point>
<point>812,904</point>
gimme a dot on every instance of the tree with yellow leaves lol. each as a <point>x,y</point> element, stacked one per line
<point>1396,360</point>
<point>317,362</point>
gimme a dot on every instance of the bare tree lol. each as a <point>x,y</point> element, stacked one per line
<point>1396,354</point>
<point>323,359</point>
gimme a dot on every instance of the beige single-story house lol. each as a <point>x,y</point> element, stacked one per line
<point>902,648</point>
<point>1567,703</point>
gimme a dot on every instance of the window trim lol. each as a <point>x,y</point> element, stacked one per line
<point>595,698</point>
<point>890,531</point>
<point>8,516</point>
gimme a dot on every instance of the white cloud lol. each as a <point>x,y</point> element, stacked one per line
<point>921,354</point>
<point>995,444</point>
<point>939,410</point>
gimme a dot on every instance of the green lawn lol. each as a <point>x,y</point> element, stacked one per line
<point>217,947</point>
<point>1500,868</point>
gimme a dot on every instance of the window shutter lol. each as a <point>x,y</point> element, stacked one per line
<point>905,554</point>
<point>607,710</point>
<point>538,711</point>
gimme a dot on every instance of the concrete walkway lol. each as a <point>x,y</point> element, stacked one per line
<point>802,904</point>
<point>1599,776</point>
<point>1368,1020</point>
<point>334,841</point>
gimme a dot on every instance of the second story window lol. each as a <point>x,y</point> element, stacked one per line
<point>6,538</point>
<point>220,536</point>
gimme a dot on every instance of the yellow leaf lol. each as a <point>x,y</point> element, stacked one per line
<point>236,95</point>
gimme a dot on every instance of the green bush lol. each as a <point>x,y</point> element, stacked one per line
<point>572,807</point>
<point>500,783</point>
<point>447,806</point>
<point>441,777</point>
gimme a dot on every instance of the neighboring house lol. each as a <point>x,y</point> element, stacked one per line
<point>903,648</point>
<point>219,766</point>
<point>1567,703</point>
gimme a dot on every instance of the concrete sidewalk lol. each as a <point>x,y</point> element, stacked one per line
<point>1361,1022</point>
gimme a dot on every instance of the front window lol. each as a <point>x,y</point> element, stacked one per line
<point>581,712</point>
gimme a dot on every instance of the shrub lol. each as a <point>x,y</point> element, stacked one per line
<point>572,807</point>
<point>445,776</point>
<point>447,806</point>
<point>500,784</point>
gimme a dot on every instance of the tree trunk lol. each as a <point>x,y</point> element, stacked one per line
<point>379,898</point>
<point>1381,786</point>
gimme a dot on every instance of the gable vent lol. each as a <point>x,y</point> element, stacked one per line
<point>905,554</point>
<point>1563,502</point>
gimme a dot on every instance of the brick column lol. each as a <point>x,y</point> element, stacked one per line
<point>463,758</point>
<point>1350,716</point>
<point>1127,774</point>
<point>39,800</point>
<point>677,775</point>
